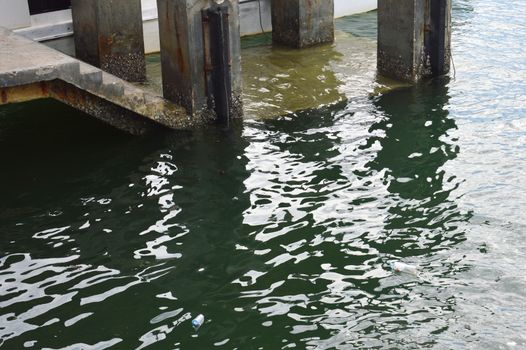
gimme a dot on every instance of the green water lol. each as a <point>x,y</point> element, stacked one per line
<point>278,81</point>
<point>280,230</point>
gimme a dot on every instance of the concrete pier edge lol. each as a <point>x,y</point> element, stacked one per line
<point>30,70</point>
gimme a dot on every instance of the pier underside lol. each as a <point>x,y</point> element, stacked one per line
<point>113,114</point>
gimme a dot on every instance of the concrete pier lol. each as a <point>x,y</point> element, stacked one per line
<point>414,38</point>
<point>29,71</point>
<point>109,35</point>
<point>200,53</point>
<point>302,23</point>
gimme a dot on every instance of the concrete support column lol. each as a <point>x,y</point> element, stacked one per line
<point>414,38</point>
<point>201,56</point>
<point>302,23</point>
<point>109,35</point>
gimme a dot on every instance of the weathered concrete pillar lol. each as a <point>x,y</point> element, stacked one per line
<point>302,23</point>
<point>109,35</point>
<point>201,56</point>
<point>414,38</point>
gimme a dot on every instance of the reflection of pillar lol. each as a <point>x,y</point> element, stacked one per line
<point>302,23</point>
<point>415,143</point>
<point>200,56</point>
<point>414,38</point>
<point>109,35</point>
<point>211,201</point>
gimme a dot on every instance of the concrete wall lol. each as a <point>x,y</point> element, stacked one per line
<point>14,14</point>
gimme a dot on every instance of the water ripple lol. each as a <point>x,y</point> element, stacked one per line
<point>282,231</point>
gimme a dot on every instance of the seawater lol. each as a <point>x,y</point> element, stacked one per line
<point>280,231</point>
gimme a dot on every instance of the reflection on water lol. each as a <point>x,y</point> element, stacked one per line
<point>280,231</point>
<point>415,143</point>
<point>351,200</point>
<point>280,81</point>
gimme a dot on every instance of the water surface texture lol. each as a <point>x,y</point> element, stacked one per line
<point>280,231</point>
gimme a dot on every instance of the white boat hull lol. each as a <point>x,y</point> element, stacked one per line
<point>56,29</point>
<point>344,8</point>
<point>251,23</point>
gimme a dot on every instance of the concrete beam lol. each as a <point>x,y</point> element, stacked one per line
<point>414,38</point>
<point>302,23</point>
<point>24,93</point>
<point>81,100</point>
<point>187,49</point>
<point>109,35</point>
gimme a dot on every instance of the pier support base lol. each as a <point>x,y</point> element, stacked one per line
<point>302,23</point>
<point>109,35</point>
<point>414,38</point>
<point>201,57</point>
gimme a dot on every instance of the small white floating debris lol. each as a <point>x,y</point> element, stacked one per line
<point>401,267</point>
<point>198,321</point>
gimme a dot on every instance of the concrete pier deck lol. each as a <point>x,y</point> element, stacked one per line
<point>29,71</point>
